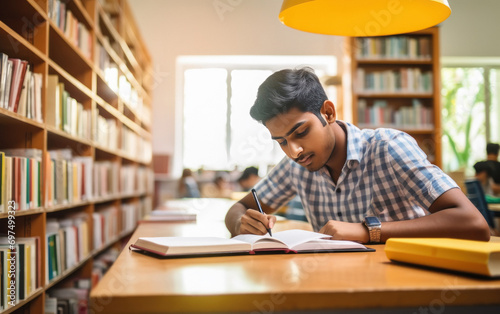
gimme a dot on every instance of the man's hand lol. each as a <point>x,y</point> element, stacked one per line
<point>256,223</point>
<point>351,231</point>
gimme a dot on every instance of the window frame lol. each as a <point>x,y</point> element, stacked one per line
<point>326,64</point>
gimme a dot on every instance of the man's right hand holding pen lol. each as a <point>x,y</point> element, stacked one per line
<point>248,217</point>
<point>256,223</point>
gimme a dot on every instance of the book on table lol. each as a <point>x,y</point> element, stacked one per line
<point>289,241</point>
<point>475,257</point>
<point>162,214</point>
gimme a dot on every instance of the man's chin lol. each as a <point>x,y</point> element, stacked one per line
<point>311,167</point>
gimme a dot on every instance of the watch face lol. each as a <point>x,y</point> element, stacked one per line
<point>372,221</point>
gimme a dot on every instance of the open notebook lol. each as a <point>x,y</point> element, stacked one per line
<point>295,241</point>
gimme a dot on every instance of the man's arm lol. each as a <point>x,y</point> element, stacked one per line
<point>243,217</point>
<point>452,215</point>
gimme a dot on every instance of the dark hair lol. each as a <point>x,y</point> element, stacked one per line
<point>492,148</point>
<point>287,89</point>
<point>248,172</point>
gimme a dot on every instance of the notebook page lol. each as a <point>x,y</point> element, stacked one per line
<point>295,237</point>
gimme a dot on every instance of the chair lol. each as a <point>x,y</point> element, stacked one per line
<point>477,197</point>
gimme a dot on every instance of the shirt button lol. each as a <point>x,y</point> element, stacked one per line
<point>339,190</point>
<point>339,214</point>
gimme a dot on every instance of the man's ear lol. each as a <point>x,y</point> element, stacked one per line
<point>328,111</point>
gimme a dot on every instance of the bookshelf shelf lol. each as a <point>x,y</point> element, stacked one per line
<point>12,43</point>
<point>393,81</point>
<point>11,120</point>
<point>68,182</point>
<point>24,212</point>
<point>394,61</point>
<point>38,292</point>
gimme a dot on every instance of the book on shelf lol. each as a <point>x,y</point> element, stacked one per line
<point>295,241</point>
<point>394,48</point>
<point>403,81</point>
<point>22,178</point>
<point>381,114</point>
<point>8,262</point>
<point>105,225</point>
<point>20,88</point>
<point>75,31</point>
<point>69,179</point>
<point>53,106</point>
<point>70,300</point>
<point>24,254</point>
<point>469,256</point>
<point>67,243</point>
<point>3,207</point>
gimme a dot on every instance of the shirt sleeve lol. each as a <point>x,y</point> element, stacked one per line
<point>422,181</point>
<point>277,188</point>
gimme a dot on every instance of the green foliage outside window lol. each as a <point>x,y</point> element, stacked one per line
<point>463,118</point>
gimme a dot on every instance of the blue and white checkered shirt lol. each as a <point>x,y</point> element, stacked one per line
<point>386,175</point>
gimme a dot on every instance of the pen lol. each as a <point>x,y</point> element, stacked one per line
<point>254,193</point>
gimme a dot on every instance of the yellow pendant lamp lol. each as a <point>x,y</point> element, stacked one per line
<point>363,17</point>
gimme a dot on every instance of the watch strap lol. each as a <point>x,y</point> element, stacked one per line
<point>374,234</point>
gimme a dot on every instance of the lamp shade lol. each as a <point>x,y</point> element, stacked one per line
<point>363,17</point>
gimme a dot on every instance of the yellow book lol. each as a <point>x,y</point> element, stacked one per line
<point>476,257</point>
<point>27,269</point>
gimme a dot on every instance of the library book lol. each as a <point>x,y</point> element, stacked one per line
<point>288,241</point>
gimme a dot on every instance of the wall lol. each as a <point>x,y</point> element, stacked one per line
<point>472,29</point>
<point>251,27</point>
<point>172,28</point>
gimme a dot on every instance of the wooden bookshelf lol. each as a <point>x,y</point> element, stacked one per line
<point>103,66</point>
<point>394,81</point>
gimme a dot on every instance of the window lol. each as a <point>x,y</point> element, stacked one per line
<point>470,111</point>
<point>218,92</point>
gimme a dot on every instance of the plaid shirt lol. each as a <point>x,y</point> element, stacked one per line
<point>386,175</point>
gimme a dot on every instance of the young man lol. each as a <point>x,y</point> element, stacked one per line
<point>359,185</point>
<point>488,171</point>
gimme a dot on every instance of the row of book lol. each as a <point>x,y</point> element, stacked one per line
<point>70,299</point>
<point>118,82</point>
<point>66,113</point>
<point>380,114</point>
<point>106,132</point>
<point>134,179</point>
<point>73,298</point>
<point>394,47</point>
<point>110,222</point>
<point>69,179</point>
<point>102,263</point>
<point>76,32</point>
<point>20,269</point>
<point>20,179</point>
<point>122,87</point>
<point>20,87</point>
<point>404,80</point>
<point>67,244</point>
<point>135,146</point>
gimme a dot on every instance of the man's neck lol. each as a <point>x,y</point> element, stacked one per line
<point>339,154</point>
<point>492,157</point>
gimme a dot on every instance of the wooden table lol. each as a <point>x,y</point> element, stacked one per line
<point>138,283</point>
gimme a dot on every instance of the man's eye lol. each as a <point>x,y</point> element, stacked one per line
<point>282,143</point>
<point>303,133</point>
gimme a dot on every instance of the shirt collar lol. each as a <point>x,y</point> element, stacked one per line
<point>353,140</point>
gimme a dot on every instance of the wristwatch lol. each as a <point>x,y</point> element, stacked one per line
<point>374,227</point>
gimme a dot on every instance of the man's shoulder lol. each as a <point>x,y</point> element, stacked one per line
<point>385,137</point>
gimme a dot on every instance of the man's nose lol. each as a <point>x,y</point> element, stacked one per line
<point>295,149</point>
